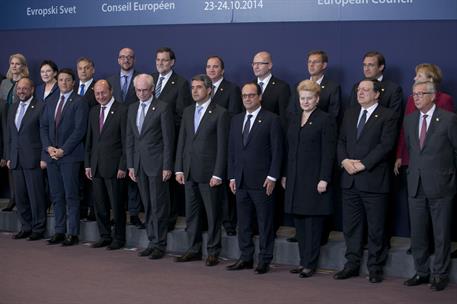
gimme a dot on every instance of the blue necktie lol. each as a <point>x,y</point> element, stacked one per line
<point>21,115</point>
<point>197,117</point>
<point>125,87</point>
<point>142,116</point>
<point>362,122</point>
<point>81,89</point>
<point>261,85</point>
<point>159,87</point>
<point>246,129</point>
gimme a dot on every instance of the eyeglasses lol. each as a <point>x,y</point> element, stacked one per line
<point>259,63</point>
<point>251,95</point>
<point>122,57</point>
<point>420,94</point>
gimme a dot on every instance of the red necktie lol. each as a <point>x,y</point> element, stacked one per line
<point>423,131</point>
<point>102,118</point>
<point>59,111</point>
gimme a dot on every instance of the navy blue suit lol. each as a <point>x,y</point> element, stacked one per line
<point>24,154</point>
<point>64,173</point>
<point>249,165</point>
<point>39,92</point>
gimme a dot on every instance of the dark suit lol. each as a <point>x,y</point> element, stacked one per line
<point>39,92</point>
<point>329,98</point>
<point>200,156</point>
<point>228,95</point>
<point>310,159</point>
<point>64,173</point>
<point>249,166</point>
<point>116,83</point>
<point>89,94</point>
<point>431,188</point>
<point>149,153</point>
<point>275,98</point>
<point>133,196</point>
<point>391,96</point>
<point>365,193</point>
<point>176,93</point>
<point>24,154</point>
<point>105,155</point>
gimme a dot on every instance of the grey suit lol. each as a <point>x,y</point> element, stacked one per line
<point>431,187</point>
<point>201,155</point>
<point>149,153</point>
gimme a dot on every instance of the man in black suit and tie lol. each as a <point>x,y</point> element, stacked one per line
<point>201,162</point>
<point>85,68</point>
<point>24,161</point>
<point>275,92</point>
<point>367,139</point>
<point>105,164</point>
<point>227,95</point>
<point>391,95</point>
<point>431,138</point>
<point>330,94</point>
<point>63,128</point>
<point>254,164</point>
<point>150,150</point>
<point>124,92</point>
<point>174,90</point>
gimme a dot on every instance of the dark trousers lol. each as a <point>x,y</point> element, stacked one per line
<point>64,185</point>
<point>30,199</point>
<point>309,233</point>
<point>427,213</point>
<point>360,206</point>
<point>228,209</point>
<point>134,204</point>
<point>250,203</point>
<point>155,195</point>
<point>200,197</point>
<point>108,195</point>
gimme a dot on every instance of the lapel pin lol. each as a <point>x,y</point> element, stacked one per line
<point>376,115</point>
<point>210,112</point>
<point>437,119</point>
<point>112,112</point>
<point>273,83</point>
<point>259,120</point>
<point>323,87</point>
<point>382,89</point>
<point>310,122</point>
<point>32,107</point>
<point>172,82</point>
<point>221,89</point>
<point>153,108</point>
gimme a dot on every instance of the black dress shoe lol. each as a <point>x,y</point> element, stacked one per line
<point>56,239</point>
<point>417,280</point>
<point>156,254</point>
<point>8,209</point>
<point>70,240</point>
<point>35,236</point>
<point>240,265</point>
<point>212,260</point>
<point>306,273</point>
<point>101,243</point>
<point>262,268</point>
<point>22,235</point>
<point>292,239</point>
<point>115,245</point>
<point>439,284</point>
<point>375,276</point>
<point>145,252</point>
<point>409,251</point>
<point>189,257</point>
<point>346,273</point>
<point>454,254</point>
<point>296,270</point>
<point>135,220</point>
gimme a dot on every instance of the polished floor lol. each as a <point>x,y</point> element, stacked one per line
<point>36,273</point>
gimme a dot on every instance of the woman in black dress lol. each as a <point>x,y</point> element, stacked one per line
<point>311,142</point>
